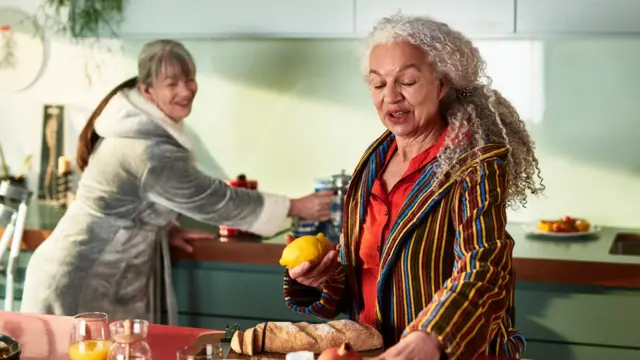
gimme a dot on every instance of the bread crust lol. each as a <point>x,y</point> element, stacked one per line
<point>286,337</point>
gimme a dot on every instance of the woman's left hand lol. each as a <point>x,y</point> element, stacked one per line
<point>180,237</point>
<point>418,345</point>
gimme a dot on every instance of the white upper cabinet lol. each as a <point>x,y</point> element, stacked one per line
<point>201,19</point>
<point>567,17</point>
<point>472,17</point>
<point>227,18</point>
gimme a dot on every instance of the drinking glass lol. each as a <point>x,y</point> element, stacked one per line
<point>90,337</point>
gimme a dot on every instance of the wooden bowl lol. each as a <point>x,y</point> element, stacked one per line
<point>14,348</point>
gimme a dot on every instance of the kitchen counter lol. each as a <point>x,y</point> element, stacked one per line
<point>571,261</point>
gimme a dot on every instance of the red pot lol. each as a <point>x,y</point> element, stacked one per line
<point>239,182</point>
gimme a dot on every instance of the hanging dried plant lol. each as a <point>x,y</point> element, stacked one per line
<point>7,48</point>
<point>84,18</point>
<point>84,22</point>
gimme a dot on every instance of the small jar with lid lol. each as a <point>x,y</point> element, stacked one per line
<point>129,336</point>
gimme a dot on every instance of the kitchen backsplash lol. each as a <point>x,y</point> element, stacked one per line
<point>288,111</point>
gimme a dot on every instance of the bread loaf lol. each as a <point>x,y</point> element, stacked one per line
<point>286,337</point>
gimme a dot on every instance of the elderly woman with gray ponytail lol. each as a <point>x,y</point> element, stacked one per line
<point>110,251</point>
<point>425,256</point>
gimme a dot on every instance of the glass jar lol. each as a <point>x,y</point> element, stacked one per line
<point>129,335</point>
<point>209,352</point>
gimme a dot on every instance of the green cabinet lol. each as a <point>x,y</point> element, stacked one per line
<point>537,350</point>
<point>567,322</point>
<point>578,314</point>
<point>212,295</point>
<point>23,260</point>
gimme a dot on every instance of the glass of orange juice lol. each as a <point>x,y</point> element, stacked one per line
<point>90,337</point>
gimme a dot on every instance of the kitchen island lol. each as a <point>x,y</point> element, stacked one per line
<point>46,337</point>
<point>572,296</point>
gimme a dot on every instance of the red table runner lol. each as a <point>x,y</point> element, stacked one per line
<point>46,337</point>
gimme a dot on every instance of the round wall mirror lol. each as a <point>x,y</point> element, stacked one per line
<point>22,49</point>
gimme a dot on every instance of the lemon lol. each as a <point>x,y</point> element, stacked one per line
<point>306,248</point>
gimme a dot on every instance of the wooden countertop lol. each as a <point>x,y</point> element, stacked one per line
<point>214,338</point>
<point>579,261</point>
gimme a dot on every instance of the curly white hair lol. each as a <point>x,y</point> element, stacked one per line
<point>470,106</point>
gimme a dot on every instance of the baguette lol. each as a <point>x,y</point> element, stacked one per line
<point>286,337</point>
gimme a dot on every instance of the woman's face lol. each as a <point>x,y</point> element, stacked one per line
<point>404,87</point>
<point>172,92</point>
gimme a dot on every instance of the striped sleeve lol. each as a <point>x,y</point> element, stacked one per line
<point>466,311</point>
<point>324,304</point>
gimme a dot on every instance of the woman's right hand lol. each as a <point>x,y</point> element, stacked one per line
<point>316,207</point>
<point>315,275</point>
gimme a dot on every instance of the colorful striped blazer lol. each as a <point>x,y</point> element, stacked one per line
<point>446,266</point>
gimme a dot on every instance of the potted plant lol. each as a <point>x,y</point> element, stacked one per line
<point>19,178</point>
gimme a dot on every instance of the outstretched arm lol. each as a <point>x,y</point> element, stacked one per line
<point>172,180</point>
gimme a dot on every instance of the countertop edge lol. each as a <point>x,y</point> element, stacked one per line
<point>590,273</point>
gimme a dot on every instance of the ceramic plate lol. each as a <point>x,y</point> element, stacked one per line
<point>533,230</point>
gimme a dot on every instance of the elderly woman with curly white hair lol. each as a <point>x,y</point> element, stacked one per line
<point>425,255</point>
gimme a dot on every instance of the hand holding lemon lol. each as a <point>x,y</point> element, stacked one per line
<point>311,260</point>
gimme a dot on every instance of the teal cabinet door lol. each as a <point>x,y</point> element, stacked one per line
<point>578,315</point>
<point>16,304</point>
<point>216,294</point>
<point>23,260</point>
<point>563,351</point>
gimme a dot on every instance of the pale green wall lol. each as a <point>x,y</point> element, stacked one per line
<point>286,111</point>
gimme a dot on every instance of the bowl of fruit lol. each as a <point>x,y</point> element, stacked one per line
<point>565,227</point>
